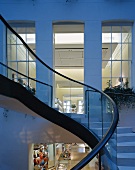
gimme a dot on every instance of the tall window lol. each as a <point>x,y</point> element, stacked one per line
<point>116,55</point>
<point>18,57</point>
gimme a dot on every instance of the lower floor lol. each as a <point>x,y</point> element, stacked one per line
<point>61,156</point>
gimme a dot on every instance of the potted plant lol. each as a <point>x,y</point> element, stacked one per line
<point>121,94</point>
<point>73,107</point>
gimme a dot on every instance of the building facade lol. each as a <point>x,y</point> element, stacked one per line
<point>91,41</point>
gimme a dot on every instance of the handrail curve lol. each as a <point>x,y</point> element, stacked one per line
<point>112,128</point>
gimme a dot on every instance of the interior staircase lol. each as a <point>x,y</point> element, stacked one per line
<point>125,148</point>
<point>125,141</point>
<point>99,133</point>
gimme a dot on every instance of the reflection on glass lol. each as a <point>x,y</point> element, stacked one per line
<point>106,69</point>
<point>11,38</point>
<point>106,34</point>
<point>125,69</point>
<point>11,53</point>
<point>22,68</point>
<point>21,53</point>
<point>105,82</point>
<point>115,81</point>
<point>126,51</point>
<point>116,51</point>
<point>116,68</point>
<point>106,51</point>
<point>126,34</point>
<point>116,34</point>
<point>12,65</point>
<point>32,69</point>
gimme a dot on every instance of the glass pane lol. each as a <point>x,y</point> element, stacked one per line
<point>115,81</point>
<point>69,96</point>
<point>116,34</point>
<point>126,34</point>
<point>21,53</point>
<point>94,110</point>
<point>76,95</point>
<point>20,29</point>
<point>11,52</point>
<point>106,34</point>
<point>32,69</point>
<point>106,51</point>
<point>30,30</point>
<point>30,38</point>
<point>125,68</point>
<point>31,57</point>
<point>43,90</point>
<point>106,69</point>
<point>116,51</point>
<point>116,68</point>
<point>126,51</point>
<point>12,65</point>
<point>32,66</point>
<point>22,68</point>
<point>106,82</point>
<point>11,38</point>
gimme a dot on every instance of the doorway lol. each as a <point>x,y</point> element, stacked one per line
<point>69,61</point>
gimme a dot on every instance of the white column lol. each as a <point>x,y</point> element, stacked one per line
<point>44,50</point>
<point>133,59</point>
<point>93,54</point>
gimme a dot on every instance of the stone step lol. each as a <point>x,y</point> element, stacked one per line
<point>96,124</point>
<point>74,115</point>
<point>126,147</point>
<point>126,137</point>
<point>85,119</point>
<point>126,159</point>
<point>126,167</point>
<point>124,130</point>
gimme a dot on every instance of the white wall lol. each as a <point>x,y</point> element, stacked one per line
<point>91,12</point>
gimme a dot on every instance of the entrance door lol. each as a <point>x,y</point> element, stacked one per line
<point>69,61</point>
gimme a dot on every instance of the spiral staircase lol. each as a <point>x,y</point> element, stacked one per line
<point>96,127</point>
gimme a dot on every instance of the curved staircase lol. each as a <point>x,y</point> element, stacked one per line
<point>96,127</point>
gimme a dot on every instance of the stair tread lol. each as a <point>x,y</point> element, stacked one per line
<point>126,144</point>
<point>126,155</point>
<point>126,134</point>
<point>126,168</point>
<point>123,127</point>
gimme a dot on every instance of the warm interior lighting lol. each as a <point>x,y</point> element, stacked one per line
<point>69,38</point>
<point>28,38</point>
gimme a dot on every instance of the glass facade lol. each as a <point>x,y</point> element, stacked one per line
<point>116,55</point>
